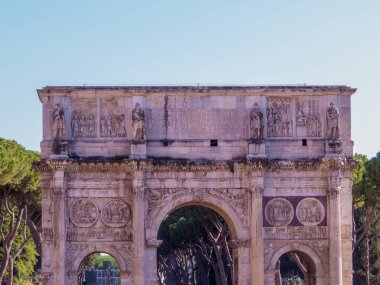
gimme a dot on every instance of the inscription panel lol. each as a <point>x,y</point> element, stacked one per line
<point>280,233</point>
<point>98,234</point>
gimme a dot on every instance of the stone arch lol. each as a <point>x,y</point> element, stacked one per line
<point>238,231</point>
<point>305,250</point>
<point>103,248</point>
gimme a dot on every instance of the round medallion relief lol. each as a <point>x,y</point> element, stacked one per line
<point>310,212</point>
<point>84,213</point>
<point>116,213</point>
<point>279,212</point>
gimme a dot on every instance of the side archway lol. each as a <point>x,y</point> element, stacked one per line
<point>310,255</point>
<point>125,271</point>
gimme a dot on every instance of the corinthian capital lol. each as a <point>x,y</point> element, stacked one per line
<point>257,192</point>
<point>334,192</point>
<point>138,192</point>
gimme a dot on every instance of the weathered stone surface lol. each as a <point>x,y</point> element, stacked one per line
<point>264,157</point>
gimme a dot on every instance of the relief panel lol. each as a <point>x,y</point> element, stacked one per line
<point>84,213</point>
<point>84,118</point>
<point>308,119</point>
<point>116,213</point>
<point>112,121</point>
<point>279,117</point>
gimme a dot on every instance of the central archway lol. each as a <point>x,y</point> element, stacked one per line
<point>195,248</point>
<point>237,224</point>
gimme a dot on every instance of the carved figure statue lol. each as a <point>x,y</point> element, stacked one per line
<point>58,122</point>
<point>138,125</point>
<point>301,117</point>
<point>257,124</point>
<point>332,115</point>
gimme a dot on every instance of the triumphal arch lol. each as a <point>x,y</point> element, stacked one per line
<point>274,161</point>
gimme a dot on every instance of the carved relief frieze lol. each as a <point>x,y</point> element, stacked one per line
<point>98,234</point>
<point>310,212</point>
<point>304,232</point>
<point>83,118</point>
<point>279,212</point>
<point>308,116</point>
<point>237,198</point>
<point>112,122</point>
<point>84,213</point>
<point>279,117</point>
<point>83,125</point>
<point>116,213</point>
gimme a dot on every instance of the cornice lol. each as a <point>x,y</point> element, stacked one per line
<point>73,165</point>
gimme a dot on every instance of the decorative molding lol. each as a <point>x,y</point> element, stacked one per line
<point>253,164</point>
<point>236,243</point>
<point>153,243</point>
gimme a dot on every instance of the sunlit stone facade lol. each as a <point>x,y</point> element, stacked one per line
<point>274,161</point>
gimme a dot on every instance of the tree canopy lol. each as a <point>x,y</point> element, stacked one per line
<point>20,198</point>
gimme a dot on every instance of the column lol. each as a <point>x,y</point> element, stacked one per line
<point>335,246</point>
<point>151,258</point>
<point>138,228</point>
<point>59,210</point>
<point>257,242</point>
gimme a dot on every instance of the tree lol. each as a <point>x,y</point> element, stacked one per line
<point>19,207</point>
<point>195,245</point>
<point>366,218</point>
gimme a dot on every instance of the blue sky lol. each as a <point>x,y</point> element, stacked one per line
<point>187,42</point>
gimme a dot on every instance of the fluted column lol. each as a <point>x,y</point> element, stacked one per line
<point>58,265</point>
<point>335,243</point>
<point>257,242</point>
<point>138,228</point>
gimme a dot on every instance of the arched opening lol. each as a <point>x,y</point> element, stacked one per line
<point>99,268</point>
<point>295,268</point>
<point>195,249</point>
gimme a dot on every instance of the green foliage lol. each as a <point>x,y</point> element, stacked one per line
<point>100,261</point>
<point>20,190</point>
<point>373,171</point>
<point>358,187</point>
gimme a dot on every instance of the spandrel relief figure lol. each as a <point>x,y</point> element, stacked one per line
<point>332,114</point>
<point>58,122</point>
<point>138,125</point>
<point>257,124</point>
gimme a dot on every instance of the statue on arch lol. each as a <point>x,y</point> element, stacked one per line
<point>332,114</point>
<point>257,124</point>
<point>58,122</point>
<point>138,123</point>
